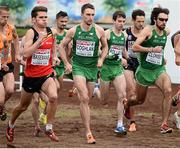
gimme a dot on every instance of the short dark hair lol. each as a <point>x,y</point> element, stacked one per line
<point>6,8</point>
<point>86,6</point>
<point>61,14</point>
<point>117,14</point>
<point>36,9</point>
<point>137,12</point>
<point>156,11</point>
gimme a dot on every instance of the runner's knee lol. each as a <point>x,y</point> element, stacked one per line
<point>84,98</point>
<point>167,91</point>
<point>9,92</point>
<point>52,98</point>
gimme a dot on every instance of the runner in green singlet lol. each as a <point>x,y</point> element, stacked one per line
<point>85,60</point>
<point>61,21</point>
<point>112,69</point>
<point>151,71</point>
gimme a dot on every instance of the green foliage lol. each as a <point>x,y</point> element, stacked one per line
<point>113,5</point>
<point>17,7</point>
<point>21,31</point>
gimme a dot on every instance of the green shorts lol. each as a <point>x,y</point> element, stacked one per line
<point>110,72</point>
<point>60,70</point>
<point>89,73</point>
<point>147,77</point>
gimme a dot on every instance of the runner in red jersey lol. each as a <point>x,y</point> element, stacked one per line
<point>39,52</point>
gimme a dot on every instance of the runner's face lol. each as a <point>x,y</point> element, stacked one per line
<point>161,21</point>
<point>41,19</point>
<point>119,23</point>
<point>88,16</point>
<point>62,22</point>
<point>4,15</point>
<point>139,22</point>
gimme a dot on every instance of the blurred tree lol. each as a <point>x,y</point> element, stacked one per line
<point>113,5</point>
<point>17,7</point>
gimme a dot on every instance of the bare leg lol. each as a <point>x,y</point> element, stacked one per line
<point>120,86</point>
<point>8,81</point>
<point>164,83</point>
<point>104,89</point>
<point>25,101</point>
<point>50,89</point>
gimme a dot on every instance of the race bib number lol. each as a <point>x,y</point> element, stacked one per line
<point>115,50</point>
<point>41,57</point>
<point>85,48</point>
<point>154,58</point>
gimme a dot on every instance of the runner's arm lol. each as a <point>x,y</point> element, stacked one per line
<point>145,33</point>
<point>177,46</point>
<point>29,46</point>
<point>125,52</point>
<point>104,45</point>
<point>16,45</point>
<point>64,44</point>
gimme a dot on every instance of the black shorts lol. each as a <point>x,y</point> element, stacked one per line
<point>3,73</point>
<point>34,84</point>
<point>132,64</point>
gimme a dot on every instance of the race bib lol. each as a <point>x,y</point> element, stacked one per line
<point>130,50</point>
<point>154,58</point>
<point>115,50</point>
<point>85,48</point>
<point>41,57</point>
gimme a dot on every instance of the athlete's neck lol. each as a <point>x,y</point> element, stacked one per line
<point>60,31</point>
<point>159,31</point>
<point>2,28</point>
<point>117,31</point>
<point>135,31</point>
<point>85,27</point>
<point>39,29</point>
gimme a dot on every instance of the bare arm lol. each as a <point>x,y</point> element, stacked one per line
<point>145,33</point>
<point>16,45</point>
<point>64,44</point>
<point>124,52</point>
<point>29,46</point>
<point>177,46</point>
<point>104,46</point>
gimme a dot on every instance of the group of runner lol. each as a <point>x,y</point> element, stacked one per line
<point>119,56</point>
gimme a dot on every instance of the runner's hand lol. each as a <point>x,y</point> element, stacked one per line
<point>100,63</point>
<point>68,68</point>
<point>124,62</point>
<point>5,67</point>
<point>17,58</point>
<point>56,61</point>
<point>157,49</point>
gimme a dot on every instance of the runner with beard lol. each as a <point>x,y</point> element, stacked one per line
<point>151,71</point>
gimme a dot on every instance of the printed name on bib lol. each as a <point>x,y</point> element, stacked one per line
<point>41,57</point>
<point>85,48</point>
<point>154,58</point>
